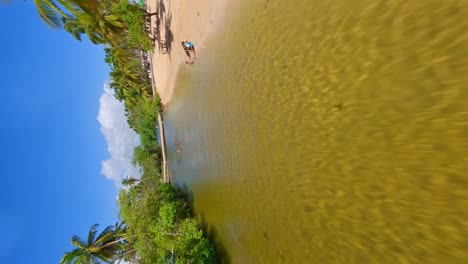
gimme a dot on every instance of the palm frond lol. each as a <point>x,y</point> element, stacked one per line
<point>120,227</point>
<point>78,242</point>
<point>105,239</point>
<point>92,233</point>
<point>104,235</point>
<point>68,257</point>
<point>48,13</point>
<point>73,26</point>
<point>82,259</point>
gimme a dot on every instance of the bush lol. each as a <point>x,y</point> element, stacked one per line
<point>159,221</point>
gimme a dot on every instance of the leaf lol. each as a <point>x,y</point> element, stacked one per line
<point>47,13</point>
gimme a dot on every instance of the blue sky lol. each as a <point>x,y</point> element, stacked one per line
<point>52,146</point>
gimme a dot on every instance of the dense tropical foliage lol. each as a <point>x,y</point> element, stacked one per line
<point>160,226</point>
<point>117,24</point>
<point>157,225</point>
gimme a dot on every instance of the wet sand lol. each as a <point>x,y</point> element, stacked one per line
<point>179,20</point>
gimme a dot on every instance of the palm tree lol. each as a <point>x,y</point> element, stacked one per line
<point>104,247</point>
<point>128,252</point>
<point>106,28</point>
<point>129,181</point>
<point>74,27</point>
<point>120,228</point>
<point>119,56</point>
<point>49,12</point>
<point>52,11</point>
<point>82,16</point>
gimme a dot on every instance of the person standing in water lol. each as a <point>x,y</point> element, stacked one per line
<point>177,143</point>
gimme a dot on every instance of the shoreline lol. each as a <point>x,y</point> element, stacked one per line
<point>179,21</point>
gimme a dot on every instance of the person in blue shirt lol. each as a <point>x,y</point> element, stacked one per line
<point>189,47</point>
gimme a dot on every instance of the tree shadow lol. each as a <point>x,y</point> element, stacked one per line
<point>188,194</point>
<point>169,36</point>
<point>209,230</point>
<point>161,8</point>
<point>213,237</point>
<point>165,41</point>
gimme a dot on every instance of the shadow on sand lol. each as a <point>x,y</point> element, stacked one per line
<point>168,36</point>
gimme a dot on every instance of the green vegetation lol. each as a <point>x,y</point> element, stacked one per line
<point>160,226</point>
<point>157,224</point>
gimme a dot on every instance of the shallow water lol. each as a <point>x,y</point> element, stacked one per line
<point>329,132</point>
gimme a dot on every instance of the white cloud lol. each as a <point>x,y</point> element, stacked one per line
<point>121,139</point>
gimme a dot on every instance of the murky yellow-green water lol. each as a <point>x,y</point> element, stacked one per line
<point>329,132</point>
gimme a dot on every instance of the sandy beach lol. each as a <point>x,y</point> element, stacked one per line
<point>180,20</point>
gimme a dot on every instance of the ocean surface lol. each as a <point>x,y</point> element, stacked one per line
<point>329,132</point>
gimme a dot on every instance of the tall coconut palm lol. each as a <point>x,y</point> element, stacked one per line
<point>129,181</point>
<point>103,247</point>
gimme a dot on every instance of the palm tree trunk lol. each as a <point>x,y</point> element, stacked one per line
<point>111,243</point>
<point>151,14</point>
<point>171,234</point>
<point>118,257</point>
<point>125,253</point>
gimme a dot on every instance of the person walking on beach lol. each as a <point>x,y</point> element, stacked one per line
<point>188,46</point>
<point>187,52</point>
